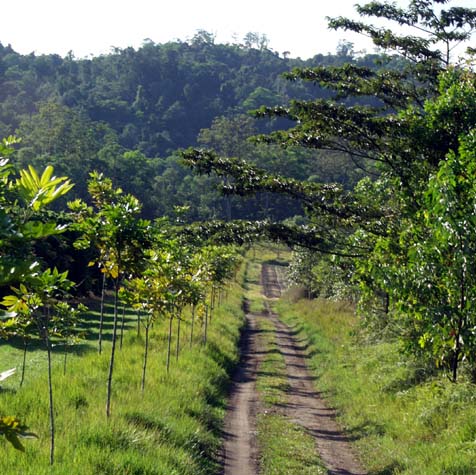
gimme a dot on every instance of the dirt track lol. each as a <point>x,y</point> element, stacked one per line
<point>305,406</point>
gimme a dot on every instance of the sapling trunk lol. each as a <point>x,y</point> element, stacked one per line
<point>138,322</point>
<point>65,358</point>
<point>206,325</point>
<point>23,366</point>
<point>169,343</point>
<point>122,324</point>
<point>101,313</point>
<point>177,347</point>
<point>191,327</point>
<point>212,303</point>
<point>146,353</point>
<point>43,327</point>
<point>52,412</point>
<point>113,351</point>
<point>461,321</point>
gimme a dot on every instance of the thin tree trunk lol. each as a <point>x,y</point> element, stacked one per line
<point>169,343</point>
<point>23,366</point>
<point>113,351</point>
<point>146,353</point>
<point>461,319</point>
<point>386,303</point>
<point>50,386</point>
<point>212,299</point>
<point>206,326</point>
<point>101,316</point>
<point>193,323</point>
<point>122,325</point>
<point>52,413</point>
<point>138,322</point>
<point>65,358</point>
<point>177,347</point>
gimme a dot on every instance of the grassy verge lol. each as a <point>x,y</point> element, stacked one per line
<point>401,424</point>
<point>172,428</point>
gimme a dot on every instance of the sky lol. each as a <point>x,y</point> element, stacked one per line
<point>94,27</point>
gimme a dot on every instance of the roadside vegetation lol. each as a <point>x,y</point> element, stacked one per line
<point>173,427</point>
<point>404,417</point>
<point>394,233</point>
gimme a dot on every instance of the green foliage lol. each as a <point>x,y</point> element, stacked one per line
<point>113,227</point>
<point>21,205</point>
<point>23,202</point>
<point>126,114</point>
<point>13,430</point>
<point>38,191</point>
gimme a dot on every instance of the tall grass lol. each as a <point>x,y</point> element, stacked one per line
<point>403,418</point>
<point>173,427</point>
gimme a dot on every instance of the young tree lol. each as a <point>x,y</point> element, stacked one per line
<point>22,205</point>
<point>120,236</point>
<point>146,295</point>
<point>41,300</point>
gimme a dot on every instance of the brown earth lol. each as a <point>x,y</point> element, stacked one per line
<point>305,406</point>
<point>240,455</point>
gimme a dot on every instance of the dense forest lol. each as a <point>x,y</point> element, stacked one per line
<point>127,113</point>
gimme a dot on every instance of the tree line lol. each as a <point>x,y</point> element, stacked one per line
<point>401,240</point>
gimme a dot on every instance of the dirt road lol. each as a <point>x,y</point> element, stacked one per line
<point>305,406</point>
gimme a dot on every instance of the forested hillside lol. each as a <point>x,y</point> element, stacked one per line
<point>127,113</point>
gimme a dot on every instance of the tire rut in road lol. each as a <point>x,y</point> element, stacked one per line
<point>305,405</point>
<point>239,449</point>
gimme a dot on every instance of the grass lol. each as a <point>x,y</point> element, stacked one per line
<point>173,428</point>
<point>402,421</point>
<point>286,448</point>
<point>272,382</point>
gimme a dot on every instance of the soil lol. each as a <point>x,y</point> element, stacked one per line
<point>305,405</point>
<point>240,454</point>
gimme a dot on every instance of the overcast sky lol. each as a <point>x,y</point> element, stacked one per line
<point>92,27</point>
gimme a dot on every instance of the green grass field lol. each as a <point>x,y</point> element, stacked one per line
<point>171,428</point>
